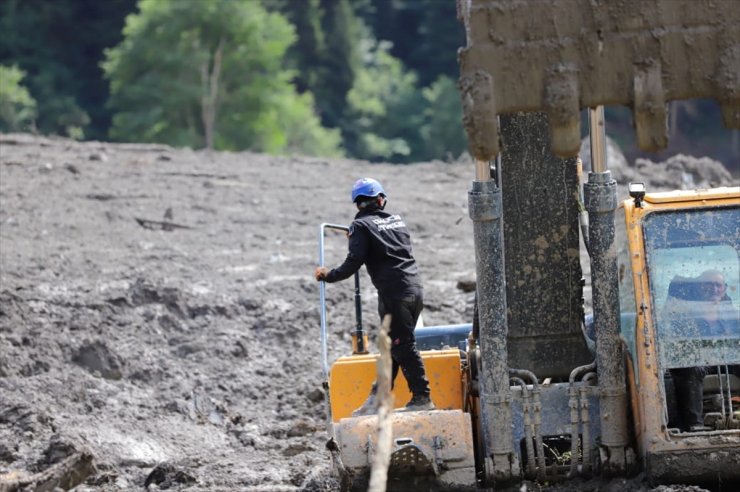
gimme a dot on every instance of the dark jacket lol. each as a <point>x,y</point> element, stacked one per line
<point>381,241</point>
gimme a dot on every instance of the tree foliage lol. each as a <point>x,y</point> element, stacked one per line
<point>211,74</point>
<point>424,34</point>
<point>381,106</point>
<point>17,107</point>
<point>379,73</point>
<point>383,116</point>
<point>341,58</point>
<point>59,45</point>
<point>327,52</point>
<point>307,54</point>
<point>442,132</point>
<point>391,118</point>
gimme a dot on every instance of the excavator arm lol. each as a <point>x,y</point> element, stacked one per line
<point>528,69</point>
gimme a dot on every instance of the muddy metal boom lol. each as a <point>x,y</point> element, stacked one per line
<point>552,59</point>
<point>560,57</point>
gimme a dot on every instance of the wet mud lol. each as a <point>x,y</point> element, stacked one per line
<point>158,316</point>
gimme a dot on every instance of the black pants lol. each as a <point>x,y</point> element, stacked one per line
<point>688,384</point>
<point>404,313</point>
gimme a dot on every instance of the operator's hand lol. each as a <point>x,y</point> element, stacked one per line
<point>320,273</point>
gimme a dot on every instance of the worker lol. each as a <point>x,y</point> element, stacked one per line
<point>718,316</point>
<point>381,241</point>
<point>713,315</point>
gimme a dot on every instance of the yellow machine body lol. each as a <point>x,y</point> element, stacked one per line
<point>351,378</point>
<point>668,455</point>
<point>430,448</point>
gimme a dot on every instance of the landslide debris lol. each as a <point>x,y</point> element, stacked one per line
<point>152,357</point>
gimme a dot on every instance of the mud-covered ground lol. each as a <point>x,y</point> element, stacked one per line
<point>158,315</point>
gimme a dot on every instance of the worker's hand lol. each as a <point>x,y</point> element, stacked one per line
<point>320,273</point>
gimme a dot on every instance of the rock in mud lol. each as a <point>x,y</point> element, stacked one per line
<point>97,358</point>
<point>316,395</point>
<point>249,304</point>
<point>302,428</point>
<point>202,408</point>
<point>466,284</point>
<point>71,168</point>
<point>23,418</point>
<point>296,449</point>
<point>165,476</point>
<point>7,454</point>
<point>58,449</point>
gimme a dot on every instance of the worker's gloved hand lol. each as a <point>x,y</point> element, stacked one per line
<point>320,273</point>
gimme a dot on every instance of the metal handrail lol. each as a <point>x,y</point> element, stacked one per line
<point>322,297</point>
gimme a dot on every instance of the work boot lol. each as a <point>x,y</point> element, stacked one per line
<point>419,403</point>
<point>370,407</point>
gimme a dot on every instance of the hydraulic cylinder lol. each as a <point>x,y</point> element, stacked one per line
<point>484,201</point>
<point>600,194</point>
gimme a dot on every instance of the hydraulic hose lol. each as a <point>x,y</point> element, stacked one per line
<point>586,421</point>
<point>537,417</point>
<point>526,410</point>
<point>575,421</point>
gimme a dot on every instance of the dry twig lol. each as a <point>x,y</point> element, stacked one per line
<point>382,457</point>
<point>66,474</point>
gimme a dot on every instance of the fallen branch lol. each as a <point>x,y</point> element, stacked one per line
<point>382,456</point>
<point>196,174</point>
<point>66,474</point>
<point>159,225</point>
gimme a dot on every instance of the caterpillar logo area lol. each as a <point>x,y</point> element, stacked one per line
<point>392,222</point>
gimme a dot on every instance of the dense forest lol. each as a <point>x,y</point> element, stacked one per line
<point>368,79</point>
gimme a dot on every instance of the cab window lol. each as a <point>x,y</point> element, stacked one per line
<point>694,273</point>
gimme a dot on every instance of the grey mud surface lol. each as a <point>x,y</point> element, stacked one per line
<point>157,307</point>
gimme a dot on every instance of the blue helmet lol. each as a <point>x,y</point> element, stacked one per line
<point>366,187</point>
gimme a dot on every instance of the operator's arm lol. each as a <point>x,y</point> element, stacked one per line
<point>359,243</point>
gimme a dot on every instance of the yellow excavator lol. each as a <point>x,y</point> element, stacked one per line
<point>533,387</point>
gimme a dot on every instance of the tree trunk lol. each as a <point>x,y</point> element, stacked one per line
<point>211,78</point>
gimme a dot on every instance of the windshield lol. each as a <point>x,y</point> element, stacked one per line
<point>694,274</point>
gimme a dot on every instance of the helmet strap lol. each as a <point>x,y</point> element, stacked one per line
<point>375,202</point>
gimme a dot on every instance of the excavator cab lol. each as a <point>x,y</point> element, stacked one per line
<point>681,276</point>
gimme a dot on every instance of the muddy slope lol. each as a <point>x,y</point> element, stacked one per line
<point>157,312</point>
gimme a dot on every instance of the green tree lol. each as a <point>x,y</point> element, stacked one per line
<point>210,74</point>
<point>341,59</point>
<point>442,131</point>
<point>326,55</point>
<point>425,34</point>
<point>59,45</point>
<point>306,55</point>
<point>17,107</point>
<point>385,108</point>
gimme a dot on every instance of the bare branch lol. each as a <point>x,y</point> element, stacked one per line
<point>382,457</point>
